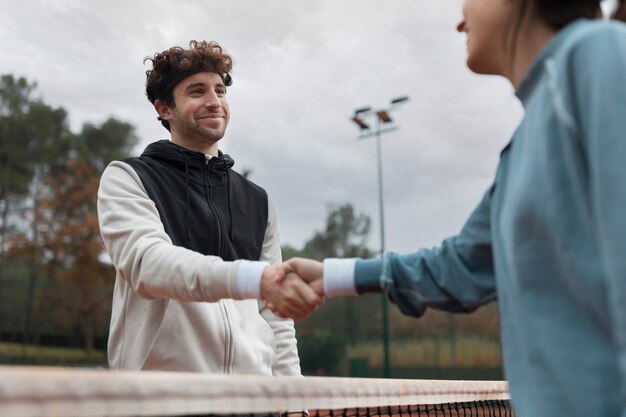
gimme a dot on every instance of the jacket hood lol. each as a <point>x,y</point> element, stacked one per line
<point>183,158</point>
<point>193,165</point>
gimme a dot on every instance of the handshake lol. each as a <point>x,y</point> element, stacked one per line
<point>294,288</point>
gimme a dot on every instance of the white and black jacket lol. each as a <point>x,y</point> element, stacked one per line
<point>178,227</point>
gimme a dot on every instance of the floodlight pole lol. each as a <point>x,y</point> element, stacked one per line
<point>382,117</point>
<point>385,301</point>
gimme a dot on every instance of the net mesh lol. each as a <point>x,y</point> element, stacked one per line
<point>42,392</point>
<point>480,408</point>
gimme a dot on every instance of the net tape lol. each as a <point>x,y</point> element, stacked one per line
<point>42,392</point>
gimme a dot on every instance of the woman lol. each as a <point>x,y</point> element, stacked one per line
<point>548,239</point>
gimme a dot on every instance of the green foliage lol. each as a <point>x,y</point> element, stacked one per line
<point>290,252</point>
<point>52,281</point>
<point>14,354</point>
<point>438,338</point>
<point>321,353</point>
<point>14,289</point>
<point>420,351</point>
<point>32,134</point>
<point>51,174</point>
<point>345,235</point>
<point>34,140</point>
<point>102,144</point>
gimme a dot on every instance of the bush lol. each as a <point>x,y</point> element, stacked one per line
<point>321,353</point>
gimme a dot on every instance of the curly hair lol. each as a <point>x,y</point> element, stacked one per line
<point>174,64</point>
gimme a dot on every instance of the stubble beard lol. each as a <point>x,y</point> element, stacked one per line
<point>197,134</point>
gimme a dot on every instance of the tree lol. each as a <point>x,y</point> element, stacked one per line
<point>52,175</point>
<point>345,236</point>
<point>31,134</point>
<point>354,320</point>
<point>34,140</point>
<point>99,145</point>
<point>321,352</point>
<point>289,252</point>
<point>71,241</point>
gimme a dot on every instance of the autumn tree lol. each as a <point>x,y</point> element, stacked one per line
<point>71,243</point>
<point>51,175</point>
<point>34,140</point>
<point>80,284</point>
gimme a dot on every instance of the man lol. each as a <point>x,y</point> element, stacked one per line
<point>192,240</point>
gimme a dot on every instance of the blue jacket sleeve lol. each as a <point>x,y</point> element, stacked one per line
<point>601,106</point>
<point>458,276</point>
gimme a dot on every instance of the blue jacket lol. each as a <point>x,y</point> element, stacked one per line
<point>548,239</point>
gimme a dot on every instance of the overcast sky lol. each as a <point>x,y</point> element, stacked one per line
<point>301,68</point>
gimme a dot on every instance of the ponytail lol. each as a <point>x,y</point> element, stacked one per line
<point>620,13</point>
<point>559,13</point>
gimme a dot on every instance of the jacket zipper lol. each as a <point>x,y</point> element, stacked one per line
<point>218,218</point>
<point>228,332</point>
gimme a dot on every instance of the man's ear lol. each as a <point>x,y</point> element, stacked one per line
<point>163,110</point>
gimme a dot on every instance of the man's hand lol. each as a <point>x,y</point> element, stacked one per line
<point>310,271</point>
<point>296,273</point>
<point>286,294</point>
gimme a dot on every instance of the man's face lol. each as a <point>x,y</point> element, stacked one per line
<point>200,115</point>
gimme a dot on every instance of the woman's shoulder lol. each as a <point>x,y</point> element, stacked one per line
<point>588,45</point>
<point>597,32</point>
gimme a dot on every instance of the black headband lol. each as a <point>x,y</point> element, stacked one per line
<point>179,76</point>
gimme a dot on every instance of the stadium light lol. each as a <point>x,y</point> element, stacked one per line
<point>382,119</point>
<point>399,100</point>
<point>362,125</point>
<point>383,116</point>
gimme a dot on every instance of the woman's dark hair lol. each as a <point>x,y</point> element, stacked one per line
<point>558,14</point>
<point>173,65</point>
<point>620,13</point>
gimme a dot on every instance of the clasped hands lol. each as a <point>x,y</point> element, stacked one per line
<point>294,288</point>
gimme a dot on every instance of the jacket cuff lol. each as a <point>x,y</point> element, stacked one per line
<point>338,277</point>
<point>249,274</point>
<point>368,275</point>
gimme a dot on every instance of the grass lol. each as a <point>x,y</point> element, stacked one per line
<point>469,351</point>
<point>18,354</point>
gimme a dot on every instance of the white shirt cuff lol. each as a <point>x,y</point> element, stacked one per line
<point>249,276</point>
<point>339,277</point>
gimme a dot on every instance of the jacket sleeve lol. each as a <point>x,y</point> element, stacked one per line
<point>458,276</point>
<point>286,361</point>
<point>143,253</point>
<point>601,108</point>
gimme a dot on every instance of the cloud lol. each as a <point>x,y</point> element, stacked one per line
<point>301,68</point>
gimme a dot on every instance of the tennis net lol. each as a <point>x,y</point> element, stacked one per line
<point>44,392</point>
